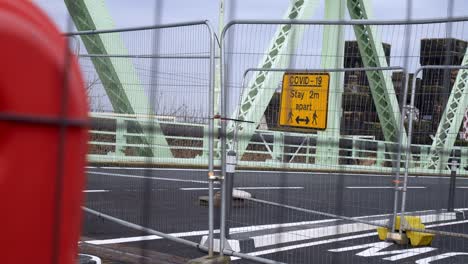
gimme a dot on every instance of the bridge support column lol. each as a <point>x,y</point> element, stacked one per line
<point>332,57</point>
<point>120,138</point>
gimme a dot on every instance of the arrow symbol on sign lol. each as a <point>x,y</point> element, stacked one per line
<point>305,120</point>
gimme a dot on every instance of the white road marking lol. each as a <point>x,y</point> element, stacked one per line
<point>376,249</point>
<point>288,172</point>
<point>462,187</point>
<point>447,224</point>
<point>268,188</point>
<point>311,233</point>
<point>244,229</point>
<point>205,232</point>
<point>439,257</point>
<point>327,241</point>
<point>144,177</point>
<point>95,191</point>
<point>316,243</point>
<point>196,189</point>
<point>382,187</point>
<point>141,168</point>
<point>246,188</point>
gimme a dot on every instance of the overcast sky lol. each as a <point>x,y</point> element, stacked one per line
<point>127,13</point>
<point>130,13</point>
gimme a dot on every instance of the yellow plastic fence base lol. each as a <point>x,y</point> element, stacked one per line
<point>417,239</point>
<point>382,232</point>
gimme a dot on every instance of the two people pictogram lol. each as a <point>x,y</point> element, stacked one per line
<point>298,119</point>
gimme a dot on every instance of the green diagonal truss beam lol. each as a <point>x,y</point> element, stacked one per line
<point>372,54</point>
<point>117,75</point>
<point>451,121</point>
<point>260,90</point>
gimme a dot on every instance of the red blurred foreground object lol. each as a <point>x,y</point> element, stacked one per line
<point>43,139</point>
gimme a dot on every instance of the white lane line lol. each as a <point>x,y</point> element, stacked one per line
<point>246,229</point>
<point>447,224</point>
<point>196,189</point>
<point>95,191</point>
<point>311,233</point>
<point>329,241</point>
<point>144,177</point>
<point>462,187</point>
<point>286,172</point>
<point>382,187</point>
<point>247,188</point>
<point>269,188</point>
<point>205,232</point>
<point>155,169</point>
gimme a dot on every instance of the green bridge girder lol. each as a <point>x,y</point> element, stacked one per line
<point>117,75</point>
<point>255,98</point>
<point>451,120</point>
<point>372,54</point>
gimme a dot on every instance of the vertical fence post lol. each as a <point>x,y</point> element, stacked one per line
<point>453,178</point>
<point>407,148</point>
<point>224,94</point>
<point>398,161</point>
<point>210,136</point>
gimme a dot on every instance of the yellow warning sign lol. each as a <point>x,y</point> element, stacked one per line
<point>304,100</point>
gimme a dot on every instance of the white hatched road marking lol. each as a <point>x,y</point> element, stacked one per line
<point>305,234</point>
<point>428,218</point>
<point>328,241</point>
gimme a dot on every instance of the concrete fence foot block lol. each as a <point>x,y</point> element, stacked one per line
<point>211,260</point>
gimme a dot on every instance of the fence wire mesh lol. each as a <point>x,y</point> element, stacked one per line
<point>151,93</point>
<point>300,195</point>
<point>312,195</point>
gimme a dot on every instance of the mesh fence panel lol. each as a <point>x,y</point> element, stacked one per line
<point>310,196</point>
<point>149,92</point>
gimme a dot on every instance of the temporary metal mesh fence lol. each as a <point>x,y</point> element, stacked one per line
<point>448,98</point>
<point>300,195</point>
<point>123,70</point>
<point>311,195</point>
<point>151,94</point>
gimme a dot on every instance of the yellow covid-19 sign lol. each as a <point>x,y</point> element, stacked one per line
<point>304,100</point>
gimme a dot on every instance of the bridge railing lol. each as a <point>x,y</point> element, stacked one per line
<point>267,149</point>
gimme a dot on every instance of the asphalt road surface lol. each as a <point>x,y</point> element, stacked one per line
<point>166,200</point>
